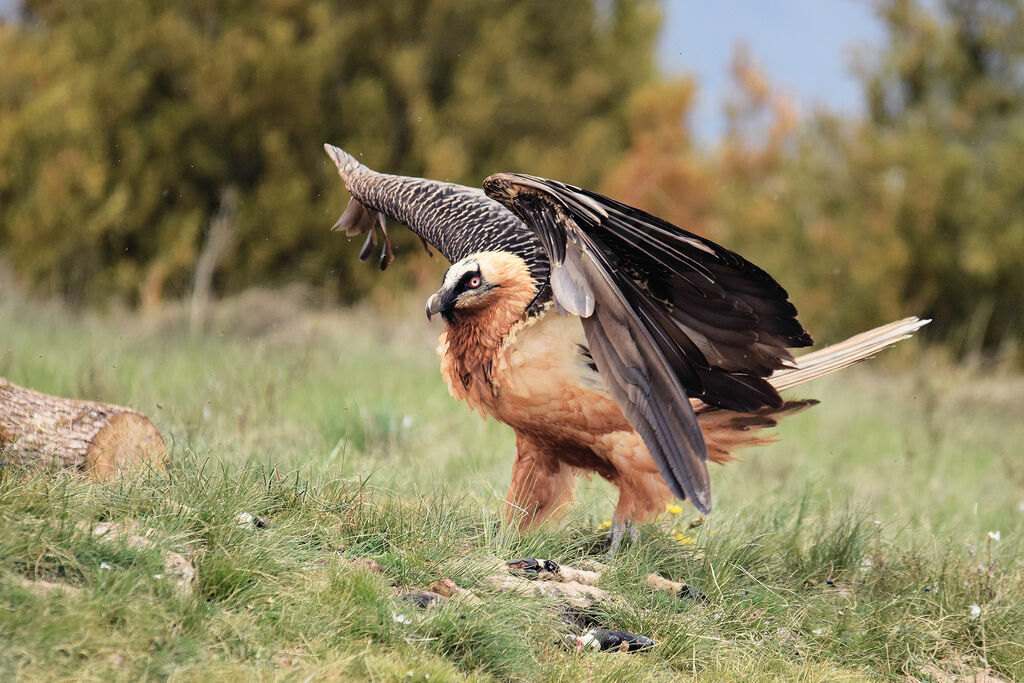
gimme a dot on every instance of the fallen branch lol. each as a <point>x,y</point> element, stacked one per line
<point>449,589</point>
<point>549,570</point>
<point>572,592</point>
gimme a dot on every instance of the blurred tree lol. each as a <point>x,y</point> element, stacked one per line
<point>123,123</point>
<point>920,207</point>
<point>917,209</point>
<point>663,171</point>
<point>940,163</point>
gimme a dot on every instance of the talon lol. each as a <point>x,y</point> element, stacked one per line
<point>618,534</point>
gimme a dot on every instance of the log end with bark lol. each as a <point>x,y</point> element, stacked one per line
<point>100,439</point>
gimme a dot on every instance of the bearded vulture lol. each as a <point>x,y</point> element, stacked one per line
<point>611,341</point>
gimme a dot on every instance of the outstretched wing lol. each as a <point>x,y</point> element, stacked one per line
<point>454,219</point>
<point>668,316</point>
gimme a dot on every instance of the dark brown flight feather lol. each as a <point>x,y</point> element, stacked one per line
<point>668,315</point>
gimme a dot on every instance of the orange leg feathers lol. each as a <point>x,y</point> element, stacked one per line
<point>542,486</point>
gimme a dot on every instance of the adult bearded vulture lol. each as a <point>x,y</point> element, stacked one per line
<point>609,340</point>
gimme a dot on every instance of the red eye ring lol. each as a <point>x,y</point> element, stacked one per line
<point>474,282</point>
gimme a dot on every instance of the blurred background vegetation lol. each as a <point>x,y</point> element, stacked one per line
<point>129,131</point>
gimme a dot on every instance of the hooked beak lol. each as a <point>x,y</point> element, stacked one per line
<point>442,301</point>
<point>433,305</point>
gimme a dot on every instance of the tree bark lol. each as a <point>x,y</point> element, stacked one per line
<point>100,439</point>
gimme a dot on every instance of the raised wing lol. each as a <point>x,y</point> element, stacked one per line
<point>454,219</point>
<point>668,316</point>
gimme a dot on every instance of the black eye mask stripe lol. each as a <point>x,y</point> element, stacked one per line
<point>464,281</point>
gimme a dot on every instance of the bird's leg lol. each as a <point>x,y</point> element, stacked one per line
<point>541,486</point>
<point>618,532</point>
<point>637,500</point>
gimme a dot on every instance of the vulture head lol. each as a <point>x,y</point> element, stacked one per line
<point>480,283</point>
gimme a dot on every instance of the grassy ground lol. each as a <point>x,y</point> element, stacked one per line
<point>856,547</point>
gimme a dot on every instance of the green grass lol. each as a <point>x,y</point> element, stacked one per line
<point>854,548</point>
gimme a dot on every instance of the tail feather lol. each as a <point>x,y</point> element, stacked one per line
<point>726,431</point>
<point>838,356</point>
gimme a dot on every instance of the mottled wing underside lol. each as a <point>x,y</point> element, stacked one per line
<point>454,219</point>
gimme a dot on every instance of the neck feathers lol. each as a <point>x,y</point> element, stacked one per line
<point>470,345</point>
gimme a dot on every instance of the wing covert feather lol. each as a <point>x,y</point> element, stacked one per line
<point>711,312</point>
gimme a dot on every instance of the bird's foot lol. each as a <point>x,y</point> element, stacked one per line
<point>618,534</point>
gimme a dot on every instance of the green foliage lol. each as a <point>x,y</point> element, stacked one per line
<point>944,142</point>
<point>123,124</point>
<point>920,207</point>
<point>917,209</point>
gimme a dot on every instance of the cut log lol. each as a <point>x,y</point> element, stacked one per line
<point>100,439</point>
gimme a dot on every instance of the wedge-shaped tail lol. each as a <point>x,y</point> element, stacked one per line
<point>844,354</point>
<point>726,431</point>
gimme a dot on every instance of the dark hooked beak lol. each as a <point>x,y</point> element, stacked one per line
<point>442,301</point>
<point>433,306</point>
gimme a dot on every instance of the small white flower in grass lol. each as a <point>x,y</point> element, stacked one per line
<point>866,564</point>
<point>407,422</point>
<point>106,565</point>
<point>401,619</point>
<point>975,611</point>
<point>426,676</point>
<point>409,673</point>
<point>993,536</point>
<point>818,631</point>
<point>158,576</point>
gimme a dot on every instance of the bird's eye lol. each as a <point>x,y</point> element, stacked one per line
<point>474,282</point>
